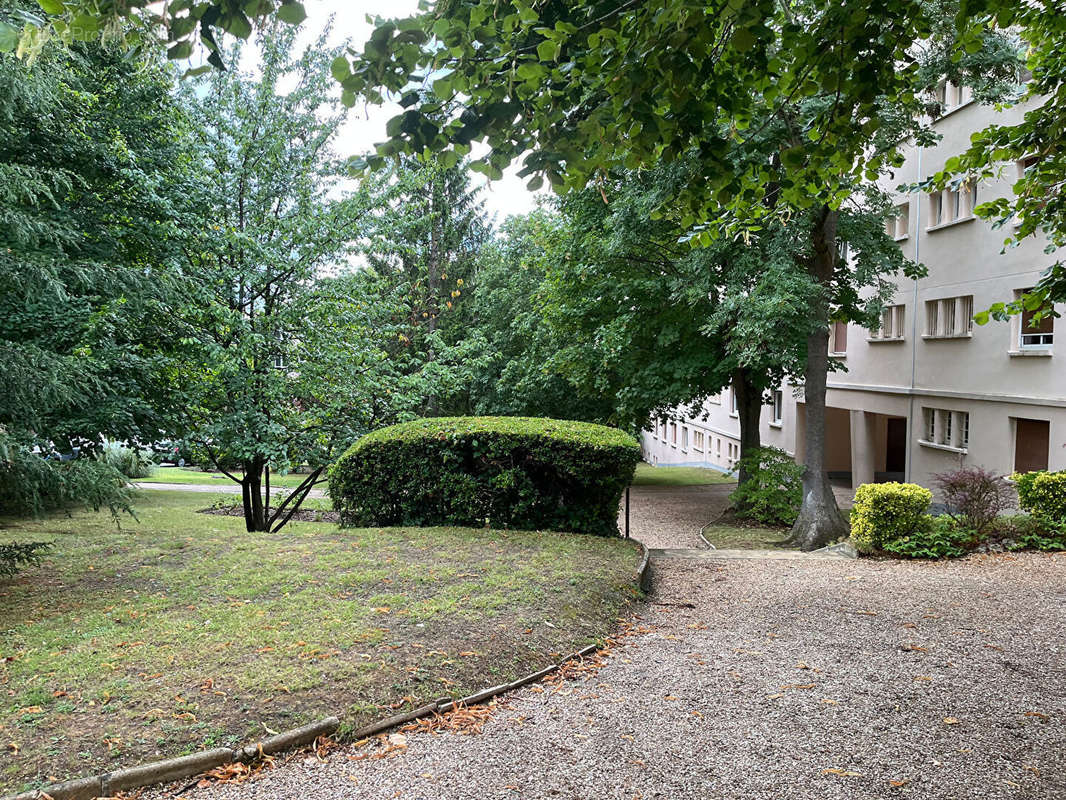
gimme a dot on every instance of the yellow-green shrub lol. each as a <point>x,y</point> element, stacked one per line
<point>1043,494</point>
<point>884,512</point>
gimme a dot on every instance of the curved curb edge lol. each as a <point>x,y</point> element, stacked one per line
<point>173,769</point>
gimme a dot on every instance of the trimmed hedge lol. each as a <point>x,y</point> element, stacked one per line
<point>504,472</point>
<point>1043,494</point>
<point>884,512</point>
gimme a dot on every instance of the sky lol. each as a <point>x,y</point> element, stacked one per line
<point>366,125</point>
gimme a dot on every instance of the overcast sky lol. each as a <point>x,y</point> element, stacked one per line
<point>367,123</point>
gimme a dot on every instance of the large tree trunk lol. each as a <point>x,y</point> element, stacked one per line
<point>749,409</point>
<point>820,521</point>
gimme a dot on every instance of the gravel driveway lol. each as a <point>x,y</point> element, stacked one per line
<point>788,680</point>
<point>672,516</point>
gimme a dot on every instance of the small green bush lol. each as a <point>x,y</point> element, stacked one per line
<point>133,462</point>
<point>507,472</point>
<point>1043,494</point>
<point>935,537</point>
<point>884,512</point>
<point>774,489</point>
<point>1026,532</point>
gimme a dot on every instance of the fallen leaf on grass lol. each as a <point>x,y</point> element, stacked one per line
<point>951,721</point>
<point>898,784</point>
<point>1036,714</point>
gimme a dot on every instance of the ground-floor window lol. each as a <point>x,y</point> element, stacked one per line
<point>946,427</point>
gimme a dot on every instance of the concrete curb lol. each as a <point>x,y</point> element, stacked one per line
<point>173,769</point>
<point>644,570</point>
<point>703,538</point>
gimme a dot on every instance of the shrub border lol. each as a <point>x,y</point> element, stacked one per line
<point>172,769</point>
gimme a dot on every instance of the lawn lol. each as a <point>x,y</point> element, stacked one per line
<point>648,475</point>
<point>180,631</point>
<point>731,533</point>
<point>193,475</point>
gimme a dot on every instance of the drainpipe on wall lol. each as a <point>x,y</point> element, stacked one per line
<point>909,466</point>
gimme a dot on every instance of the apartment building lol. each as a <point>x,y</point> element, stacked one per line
<point>929,390</point>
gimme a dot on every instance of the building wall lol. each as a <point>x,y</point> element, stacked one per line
<point>882,385</point>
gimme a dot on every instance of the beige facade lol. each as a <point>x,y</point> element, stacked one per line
<point>931,390</point>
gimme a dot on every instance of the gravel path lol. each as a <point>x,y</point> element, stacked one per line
<point>788,680</point>
<point>672,516</point>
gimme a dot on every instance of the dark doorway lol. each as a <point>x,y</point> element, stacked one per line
<point>896,445</point>
<point>1031,440</point>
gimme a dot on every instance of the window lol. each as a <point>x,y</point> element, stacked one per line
<point>1034,335</point>
<point>952,205</point>
<point>949,317</point>
<point>697,441</point>
<point>684,438</point>
<point>732,401</point>
<point>946,428</point>
<point>838,338</point>
<point>673,433</point>
<point>279,361</point>
<point>898,225</point>
<point>891,327</point>
<point>663,426</point>
<point>779,408</point>
<point>1026,164</point>
<point>718,449</point>
<point>950,96</point>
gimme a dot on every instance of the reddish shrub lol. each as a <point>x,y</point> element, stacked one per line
<point>974,496</point>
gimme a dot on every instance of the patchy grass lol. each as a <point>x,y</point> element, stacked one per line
<point>729,532</point>
<point>648,475</point>
<point>193,475</point>
<point>180,631</point>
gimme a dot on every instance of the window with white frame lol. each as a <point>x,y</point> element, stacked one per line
<point>662,426</point>
<point>673,433</point>
<point>1034,334</point>
<point>697,441</point>
<point>718,448</point>
<point>898,225</point>
<point>949,317</point>
<point>838,338</point>
<point>952,205</point>
<point>684,438</point>
<point>732,401</point>
<point>947,428</point>
<point>891,327</point>
<point>779,408</point>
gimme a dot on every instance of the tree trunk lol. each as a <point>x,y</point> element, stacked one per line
<point>749,409</point>
<point>820,521</point>
<point>255,518</point>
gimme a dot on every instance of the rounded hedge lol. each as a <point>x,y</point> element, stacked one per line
<point>504,472</point>
<point>885,512</point>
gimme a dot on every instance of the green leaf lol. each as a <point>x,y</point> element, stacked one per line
<point>340,68</point>
<point>52,6</point>
<point>548,50</point>
<point>9,37</point>
<point>292,13</point>
<point>179,51</point>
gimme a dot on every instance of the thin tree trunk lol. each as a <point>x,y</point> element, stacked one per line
<point>749,409</point>
<point>252,485</point>
<point>820,521</point>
